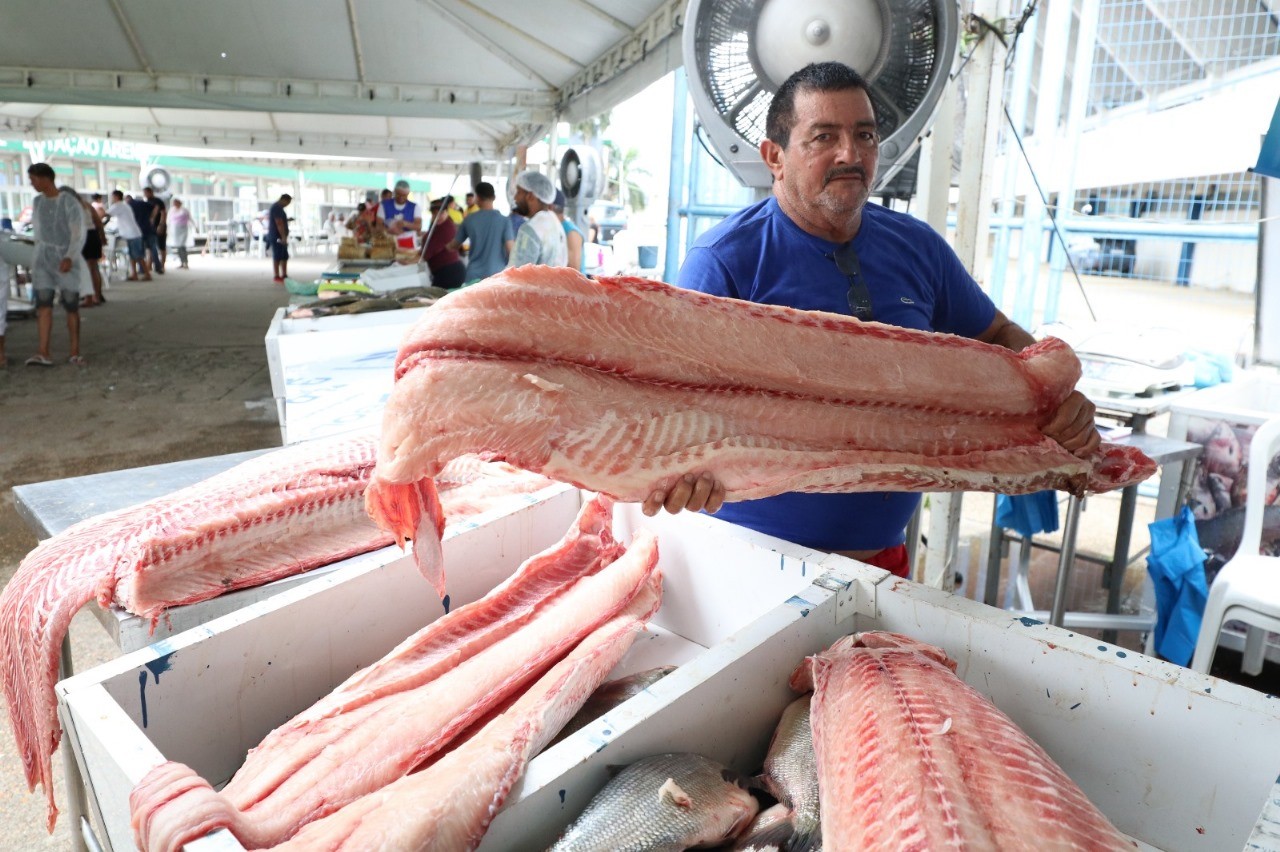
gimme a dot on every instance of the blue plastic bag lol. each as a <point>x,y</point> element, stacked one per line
<point>1176,565</point>
<point>1028,514</point>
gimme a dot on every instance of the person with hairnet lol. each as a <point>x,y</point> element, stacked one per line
<point>60,227</point>
<point>541,238</point>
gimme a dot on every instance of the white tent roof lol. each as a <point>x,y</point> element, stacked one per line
<point>422,82</point>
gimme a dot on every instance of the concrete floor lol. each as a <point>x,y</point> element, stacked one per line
<point>177,370</point>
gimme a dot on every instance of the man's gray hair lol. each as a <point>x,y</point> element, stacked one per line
<point>539,184</point>
<point>402,184</point>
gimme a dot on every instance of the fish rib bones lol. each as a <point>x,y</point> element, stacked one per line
<point>622,385</point>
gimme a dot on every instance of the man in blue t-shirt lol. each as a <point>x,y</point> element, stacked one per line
<point>489,233</point>
<point>816,244</point>
<point>278,238</point>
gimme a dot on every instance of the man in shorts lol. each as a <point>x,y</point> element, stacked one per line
<point>127,229</point>
<point>278,238</point>
<point>59,221</point>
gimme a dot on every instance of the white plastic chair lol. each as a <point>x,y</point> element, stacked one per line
<point>1248,587</point>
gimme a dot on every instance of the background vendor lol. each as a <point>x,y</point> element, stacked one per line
<point>401,216</point>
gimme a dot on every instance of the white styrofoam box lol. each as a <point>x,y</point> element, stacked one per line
<point>331,375</point>
<point>1176,759</point>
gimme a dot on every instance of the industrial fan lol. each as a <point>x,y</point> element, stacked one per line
<point>157,179</point>
<point>582,181</point>
<point>738,52</point>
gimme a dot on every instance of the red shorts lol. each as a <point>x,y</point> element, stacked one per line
<point>893,560</point>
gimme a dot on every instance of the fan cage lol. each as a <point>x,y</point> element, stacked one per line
<point>741,93</point>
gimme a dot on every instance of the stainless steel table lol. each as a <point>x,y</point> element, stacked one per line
<point>1163,451</point>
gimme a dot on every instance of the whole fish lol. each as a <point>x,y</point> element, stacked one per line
<point>759,836</point>
<point>412,292</point>
<point>665,803</point>
<point>611,694</point>
<point>791,777</point>
<point>1221,534</point>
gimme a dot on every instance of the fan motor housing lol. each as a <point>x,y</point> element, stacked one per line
<point>738,52</point>
<point>581,175</point>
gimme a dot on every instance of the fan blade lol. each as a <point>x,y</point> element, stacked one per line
<point>747,96</point>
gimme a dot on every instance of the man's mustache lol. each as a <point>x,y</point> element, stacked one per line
<point>845,171</point>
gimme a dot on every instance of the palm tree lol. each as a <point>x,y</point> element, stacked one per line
<point>621,172</point>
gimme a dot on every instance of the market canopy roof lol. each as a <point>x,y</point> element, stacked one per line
<point>423,82</point>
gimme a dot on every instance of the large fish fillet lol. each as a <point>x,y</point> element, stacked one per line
<point>910,757</point>
<point>277,515</point>
<point>333,758</point>
<point>622,385</point>
<point>448,806</point>
<point>270,517</point>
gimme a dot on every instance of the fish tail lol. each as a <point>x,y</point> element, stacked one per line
<point>775,838</point>
<point>804,841</point>
<point>412,511</point>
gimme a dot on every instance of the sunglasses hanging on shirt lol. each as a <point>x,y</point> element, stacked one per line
<point>859,297</point>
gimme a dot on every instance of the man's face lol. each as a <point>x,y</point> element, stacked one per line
<point>824,174</point>
<point>402,195</point>
<point>149,194</point>
<point>40,183</point>
<point>521,205</point>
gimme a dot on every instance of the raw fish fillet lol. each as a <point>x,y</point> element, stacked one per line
<point>448,806</point>
<point>385,723</point>
<point>622,385</point>
<point>274,516</point>
<point>910,757</point>
<point>270,517</point>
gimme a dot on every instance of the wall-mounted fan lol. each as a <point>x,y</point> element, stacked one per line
<point>738,52</point>
<point>157,179</point>
<point>582,181</point>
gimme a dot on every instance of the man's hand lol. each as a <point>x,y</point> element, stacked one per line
<point>1072,425</point>
<point>65,266</point>
<point>691,493</point>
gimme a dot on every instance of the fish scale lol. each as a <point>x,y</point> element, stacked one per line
<point>638,811</point>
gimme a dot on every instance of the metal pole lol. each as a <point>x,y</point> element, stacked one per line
<point>1081,79</point>
<point>1019,91</point>
<point>676,183</point>
<point>991,596</point>
<point>1066,559</point>
<point>1053,67</point>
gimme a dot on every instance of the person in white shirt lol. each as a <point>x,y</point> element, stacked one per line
<point>59,227</point>
<point>127,229</point>
<point>541,238</point>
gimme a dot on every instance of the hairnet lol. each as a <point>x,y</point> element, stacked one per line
<point>539,184</point>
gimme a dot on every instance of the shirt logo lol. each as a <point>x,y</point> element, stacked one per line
<point>907,301</point>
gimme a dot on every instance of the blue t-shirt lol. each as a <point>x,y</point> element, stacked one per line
<point>274,214</point>
<point>489,232</point>
<point>142,213</point>
<point>569,228</point>
<point>915,281</point>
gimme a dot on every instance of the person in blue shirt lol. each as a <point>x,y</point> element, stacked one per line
<point>401,215</point>
<point>573,237</point>
<point>815,244</point>
<point>278,238</point>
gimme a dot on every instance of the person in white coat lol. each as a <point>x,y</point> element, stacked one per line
<point>60,229</point>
